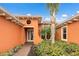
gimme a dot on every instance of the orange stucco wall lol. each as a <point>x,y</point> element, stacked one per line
<point>73,33</point>
<point>58,34</point>
<point>11,34</point>
<point>35,26</point>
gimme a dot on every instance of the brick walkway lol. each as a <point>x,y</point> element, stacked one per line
<point>23,51</point>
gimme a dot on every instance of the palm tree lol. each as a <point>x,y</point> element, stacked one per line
<point>53,8</point>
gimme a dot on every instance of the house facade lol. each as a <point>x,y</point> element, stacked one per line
<point>31,28</point>
<point>69,30</point>
<point>17,30</point>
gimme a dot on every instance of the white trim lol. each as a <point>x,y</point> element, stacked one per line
<point>66,33</point>
<point>28,26</point>
<point>27,37</point>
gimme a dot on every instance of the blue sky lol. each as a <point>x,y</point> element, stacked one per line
<point>65,10</point>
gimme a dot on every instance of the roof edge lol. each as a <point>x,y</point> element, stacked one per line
<point>18,22</point>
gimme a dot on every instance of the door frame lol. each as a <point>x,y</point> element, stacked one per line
<point>27,35</point>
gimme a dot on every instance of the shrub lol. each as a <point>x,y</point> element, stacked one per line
<point>17,48</point>
<point>45,33</point>
<point>11,51</point>
<point>38,49</point>
<point>72,49</point>
<point>59,48</point>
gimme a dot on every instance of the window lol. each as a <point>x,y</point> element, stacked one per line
<point>64,33</point>
<point>28,21</point>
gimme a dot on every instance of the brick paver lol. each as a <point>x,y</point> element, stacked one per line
<point>24,50</point>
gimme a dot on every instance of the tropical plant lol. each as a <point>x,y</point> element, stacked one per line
<point>59,48</point>
<point>53,8</point>
<point>45,32</point>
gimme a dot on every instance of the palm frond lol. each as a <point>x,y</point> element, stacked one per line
<point>52,7</point>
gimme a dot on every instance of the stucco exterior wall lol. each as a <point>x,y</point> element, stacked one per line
<point>73,32</point>
<point>11,34</point>
<point>58,34</point>
<point>35,26</point>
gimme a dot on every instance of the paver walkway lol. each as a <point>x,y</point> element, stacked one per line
<point>24,50</point>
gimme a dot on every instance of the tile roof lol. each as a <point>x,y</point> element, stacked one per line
<point>9,16</point>
<point>70,20</point>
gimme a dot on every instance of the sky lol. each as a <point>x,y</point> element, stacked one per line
<point>65,10</point>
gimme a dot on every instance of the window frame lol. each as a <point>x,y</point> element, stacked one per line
<point>66,33</point>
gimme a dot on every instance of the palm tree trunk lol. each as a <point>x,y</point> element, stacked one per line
<point>53,28</point>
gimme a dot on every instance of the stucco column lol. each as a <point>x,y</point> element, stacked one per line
<point>37,39</point>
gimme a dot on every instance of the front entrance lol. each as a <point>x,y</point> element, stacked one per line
<point>30,35</point>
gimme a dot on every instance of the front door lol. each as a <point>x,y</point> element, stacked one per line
<point>29,35</point>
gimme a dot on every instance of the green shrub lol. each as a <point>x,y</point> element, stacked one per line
<point>38,49</point>
<point>59,48</point>
<point>45,33</point>
<point>11,51</point>
<point>17,48</point>
<point>72,49</point>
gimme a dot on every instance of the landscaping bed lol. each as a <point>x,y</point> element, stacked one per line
<point>11,51</point>
<point>59,48</point>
